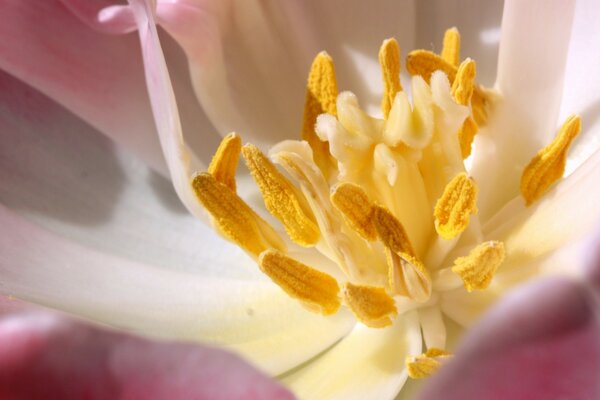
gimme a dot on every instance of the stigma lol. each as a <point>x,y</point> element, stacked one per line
<point>387,199</point>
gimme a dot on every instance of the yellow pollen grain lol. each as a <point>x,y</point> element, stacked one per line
<point>466,134</point>
<point>370,304</point>
<point>356,207</point>
<point>451,50</point>
<point>321,95</point>
<point>389,59</point>
<point>425,63</point>
<point>282,199</point>
<point>233,217</point>
<point>391,232</point>
<point>224,163</point>
<point>315,289</point>
<point>478,268</point>
<point>426,364</point>
<point>462,87</point>
<point>548,165</point>
<point>453,209</point>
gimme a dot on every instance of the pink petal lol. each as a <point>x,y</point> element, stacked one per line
<point>46,356</point>
<point>541,342</point>
<point>98,77</point>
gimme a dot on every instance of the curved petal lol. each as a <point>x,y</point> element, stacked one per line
<point>255,318</point>
<point>45,355</point>
<point>366,364</point>
<point>96,76</point>
<point>541,341</point>
<point>582,87</point>
<point>249,60</point>
<point>531,69</point>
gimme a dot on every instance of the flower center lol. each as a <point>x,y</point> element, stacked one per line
<point>388,200</point>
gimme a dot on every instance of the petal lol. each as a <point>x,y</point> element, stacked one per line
<point>541,341</point>
<point>582,88</point>
<point>367,364</point>
<point>565,214</point>
<point>96,76</point>
<point>255,318</point>
<point>531,69</point>
<point>46,355</point>
<point>62,173</point>
<point>249,60</point>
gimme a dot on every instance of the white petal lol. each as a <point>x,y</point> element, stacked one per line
<point>164,107</point>
<point>367,364</point>
<point>566,213</point>
<point>250,60</point>
<point>254,318</point>
<point>582,81</point>
<point>531,70</point>
<point>465,307</point>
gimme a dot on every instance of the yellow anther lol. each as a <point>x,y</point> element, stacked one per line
<point>478,268</point>
<point>425,63</point>
<point>548,165</point>
<point>451,50</point>
<point>407,276</point>
<point>391,232</point>
<point>427,363</point>
<point>321,95</point>
<point>282,199</point>
<point>462,87</point>
<point>224,163</point>
<point>389,59</point>
<point>233,217</point>
<point>466,134</point>
<point>317,290</point>
<point>454,207</point>
<point>356,207</point>
<point>370,304</point>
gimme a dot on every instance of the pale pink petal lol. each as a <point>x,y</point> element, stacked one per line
<point>541,342</point>
<point>94,75</point>
<point>531,68</point>
<point>46,356</point>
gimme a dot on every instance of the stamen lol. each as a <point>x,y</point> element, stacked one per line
<point>356,207</point>
<point>425,63</point>
<point>466,134</point>
<point>391,232</point>
<point>321,94</point>
<point>478,268</point>
<point>427,363</point>
<point>224,163</point>
<point>548,165</point>
<point>282,199</point>
<point>233,217</point>
<point>451,50</point>
<point>317,290</point>
<point>389,59</point>
<point>370,304</point>
<point>454,207</point>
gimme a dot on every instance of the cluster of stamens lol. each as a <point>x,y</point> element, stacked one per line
<point>386,200</point>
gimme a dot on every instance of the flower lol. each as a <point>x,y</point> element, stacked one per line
<point>241,312</point>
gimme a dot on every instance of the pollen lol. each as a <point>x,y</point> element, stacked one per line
<point>391,232</point>
<point>548,166</point>
<point>317,290</point>
<point>370,304</point>
<point>233,217</point>
<point>462,87</point>
<point>321,95</point>
<point>389,59</point>
<point>282,199</point>
<point>354,204</point>
<point>451,49</point>
<point>426,364</point>
<point>478,268</point>
<point>453,209</point>
<point>224,163</point>
<point>425,63</point>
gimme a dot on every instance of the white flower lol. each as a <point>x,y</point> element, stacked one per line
<point>103,246</point>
